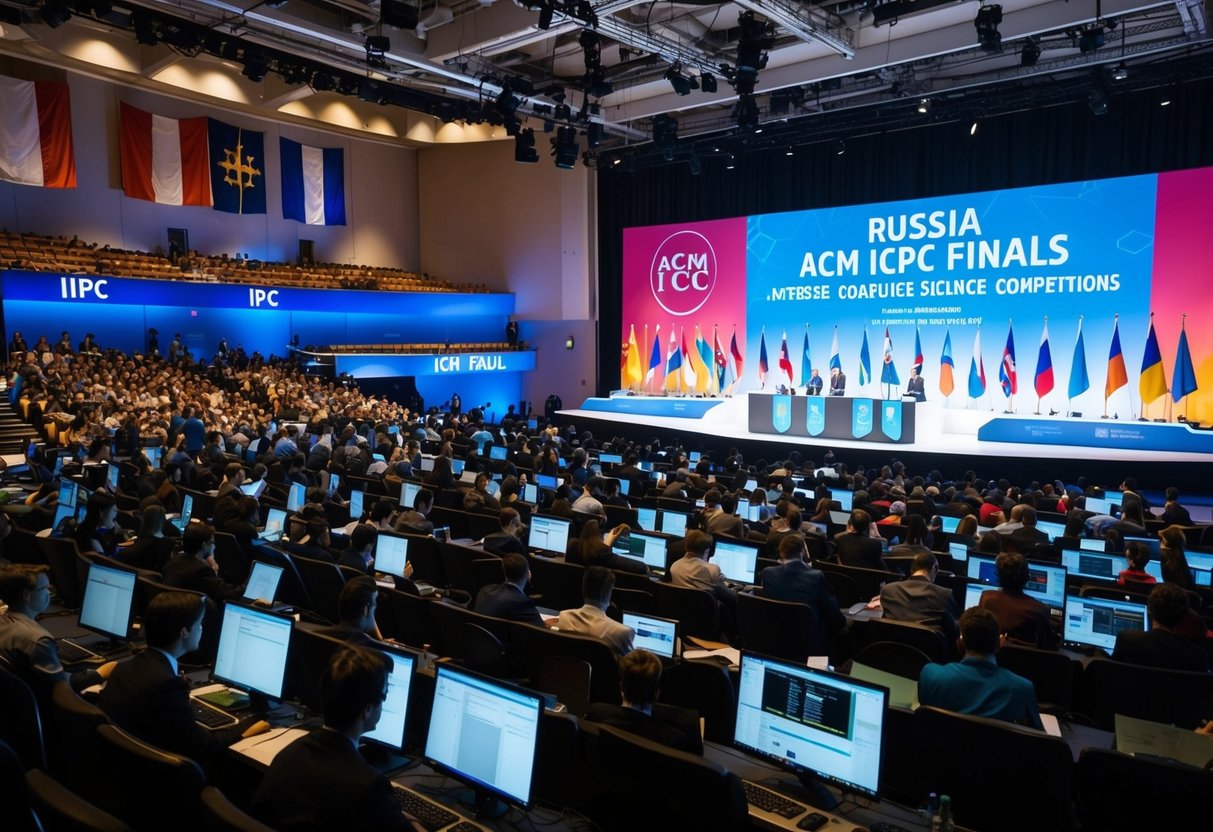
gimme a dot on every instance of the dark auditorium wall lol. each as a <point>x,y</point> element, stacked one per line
<point>381,190</point>
<point>1059,144</point>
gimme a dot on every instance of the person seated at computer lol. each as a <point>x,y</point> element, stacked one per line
<point>610,494</point>
<point>511,539</point>
<point>795,580</point>
<point>693,570</point>
<point>915,540</point>
<point>356,605</point>
<point>195,568</point>
<point>99,532</point>
<point>509,599</point>
<point>1171,557</point>
<point>416,520</point>
<point>146,697</point>
<point>1071,537</point>
<point>151,549</point>
<point>233,478</point>
<point>25,645</point>
<point>597,584</point>
<point>1174,514</point>
<point>321,781</point>
<point>314,543</point>
<point>717,519</point>
<point>641,713</point>
<point>918,599</point>
<point>1021,618</point>
<point>478,499</point>
<point>855,546</point>
<point>360,553</point>
<point>241,519</point>
<point>592,548</point>
<point>587,501</point>
<point>976,685</point>
<point>381,516</point>
<point>1138,556</point>
<point>1163,645</point>
<point>441,476</point>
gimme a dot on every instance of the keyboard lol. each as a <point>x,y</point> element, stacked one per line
<point>210,717</point>
<point>763,798</point>
<point>72,653</point>
<point>431,815</point>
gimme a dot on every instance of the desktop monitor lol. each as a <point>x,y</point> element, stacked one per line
<point>673,522</point>
<point>498,452</point>
<point>62,512</point>
<point>1046,583</point>
<point>67,493</point>
<point>296,497</point>
<point>812,721</point>
<point>949,524</point>
<point>391,554</point>
<point>1116,498</point>
<point>646,548</point>
<point>843,498</point>
<point>262,582</point>
<point>357,500</point>
<point>530,493</point>
<point>408,494</point>
<point>1094,622</point>
<point>1053,530</point>
<point>1092,564</point>
<point>457,466</point>
<point>485,733</point>
<point>111,477</point>
<point>840,518</point>
<point>108,597</point>
<point>647,518</point>
<point>959,551</point>
<point>1099,506</point>
<point>624,486</point>
<point>611,459</point>
<point>393,718</point>
<point>253,646</point>
<point>657,635</point>
<point>973,594</point>
<point>737,561</point>
<point>1152,543</point>
<point>427,463</point>
<point>1093,544</point>
<point>549,534</point>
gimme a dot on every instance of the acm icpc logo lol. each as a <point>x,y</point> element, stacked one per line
<point>683,273</point>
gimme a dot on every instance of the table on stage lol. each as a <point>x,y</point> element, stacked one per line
<point>888,421</point>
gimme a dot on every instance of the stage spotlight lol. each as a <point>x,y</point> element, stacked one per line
<point>1097,100</point>
<point>1121,72</point>
<point>524,147</point>
<point>665,135</point>
<point>1030,54</point>
<point>256,65</point>
<point>371,90</point>
<point>324,81</point>
<point>707,82</point>
<point>564,148</point>
<point>680,83</point>
<point>377,46</point>
<point>973,128</point>
<point>593,134</point>
<point>1091,39</point>
<point>746,113</point>
<point>840,147</point>
<point>924,106</point>
<point>731,163</point>
<point>55,14</point>
<point>507,102</point>
<point>987,22</point>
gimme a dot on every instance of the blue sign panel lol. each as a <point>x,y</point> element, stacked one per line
<point>817,415</point>
<point>376,365</point>
<point>781,413</point>
<point>861,417</point>
<point>679,408</point>
<point>1141,436</point>
<point>890,419</point>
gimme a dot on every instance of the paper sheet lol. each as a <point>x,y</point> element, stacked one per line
<point>1139,736</point>
<point>730,653</point>
<point>1052,726</point>
<point>265,747</point>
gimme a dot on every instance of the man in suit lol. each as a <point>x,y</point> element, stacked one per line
<point>233,478</point>
<point>813,388</point>
<point>417,520</point>
<point>795,580</point>
<point>597,584</point>
<point>641,713</point>
<point>717,519</point>
<point>509,600</point>
<point>360,553</point>
<point>918,600</point>
<point>510,540</point>
<point>1021,618</point>
<point>356,605</point>
<point>838,382</point>
<point>146,697</point>
<point>915,387</point>
<point>321,781</point>
<point>195,568</point>
<point>854,547</point>
<point>976,684</point>
<point>1162,646</point>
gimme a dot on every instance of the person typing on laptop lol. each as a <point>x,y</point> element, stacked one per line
<point>360,553</point>
<point>146,697</point>
<point>24,643</point>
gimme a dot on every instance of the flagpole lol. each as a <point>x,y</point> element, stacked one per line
<point>1183,327</point>
<point>1010,385</point>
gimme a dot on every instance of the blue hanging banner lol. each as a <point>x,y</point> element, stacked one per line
<point>890,419</point>
<point>817,415</point>
<point>781,413</point>
<point>861,417</point>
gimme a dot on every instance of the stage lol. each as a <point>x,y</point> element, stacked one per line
<point>940,431</point>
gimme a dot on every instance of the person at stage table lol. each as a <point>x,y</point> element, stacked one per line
<point>915,386</point>
<point>815,384</point>
<point>838,382</point>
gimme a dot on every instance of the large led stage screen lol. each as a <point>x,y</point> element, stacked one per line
<point>967,284</point>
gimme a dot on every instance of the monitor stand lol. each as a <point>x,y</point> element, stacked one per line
<point>385,760</point>
<point>263,705</point>
<point>819,796</point>
<point>486,803</point>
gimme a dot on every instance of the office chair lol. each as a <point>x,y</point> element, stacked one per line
<point>1174,697</point>
<point>706,687</point>
<point>894,657</point>
<point>324,583</point>
<point>144,785</point>
<point>483,652</point>
<point>16,805</point>
<point>1111,786</point>
<point>695,608</point>
<point>221,815</point>
<point>406,617</point>
<point>783,629</point>
<point>486,571</point>
<point>20,720</point>
<point>567,679</point>
<point>75,756</point>
<point>62,810</point>
<point>923,638</point>
<point>1054,674</point>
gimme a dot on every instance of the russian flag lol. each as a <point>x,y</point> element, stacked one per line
<point>1044,365</point>
<point>36,140</point>
<point>165,160</point>
<point>313,183</point>
<point>785,361</point>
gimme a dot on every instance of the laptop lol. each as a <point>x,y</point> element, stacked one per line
<point>737,561</point>
<point>262,585</point>
<point>254,488</point>
<point>649,549</point>
<point>949,524</point>
<point>840,518</point>
<point>660,636</point>
<point>187,508</point>
<point>647,518</point>
<point>275,525</point>
<point>958,551</point>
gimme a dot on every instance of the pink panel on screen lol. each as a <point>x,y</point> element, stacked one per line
<point>1181,277</point>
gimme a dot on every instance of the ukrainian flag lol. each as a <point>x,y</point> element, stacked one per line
<point>1153,380</point>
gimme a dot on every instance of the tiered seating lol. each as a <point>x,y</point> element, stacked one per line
<point>325,276</point>
<point>419,349</point>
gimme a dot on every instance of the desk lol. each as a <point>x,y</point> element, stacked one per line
<point>889,421</point>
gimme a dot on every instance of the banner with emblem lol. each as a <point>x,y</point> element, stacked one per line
<point>781,413</point>
<point>817,415</point>
<point>890,419</point>
<point>237,166</point>
<point>861,417</point>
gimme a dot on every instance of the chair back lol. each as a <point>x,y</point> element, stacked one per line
<point>324,583</point>
<point>75,738</point>
<point>61,555</point>
<point>1054,674</point>
<point>847,590</point>
<point>633,600</point>
<point>221,815</point>
<point>17,810</point>
<point>695,608</point>
<point>309,655</point>
<point>291,589</point>
<point>450,619</point>
<point>1109,786</point>
<point>484,653</point>
<point>457,565</point>
<point>931,642</point>
<point>706,687</point>
<point>61,810</point>
<point>783,629</point>
<point>869,580</point>
<point>143,785</point>
<point>426,560</point>
<point>234,563</point>
<point>20,719</point>
<point>1173,697</point>
<point>559,583</point>
<point>406,617</point>
<point>488,571</point>
<point>532,644</point>
<point>567,679</point>
<point>894,657</point>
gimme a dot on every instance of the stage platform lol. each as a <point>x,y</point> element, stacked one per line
<point>940,430</point>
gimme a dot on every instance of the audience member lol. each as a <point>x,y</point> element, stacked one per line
<point>1162,645</point>
<point>511,538</point>
<point>356,605</point>
<point>509,599</point>
<point>1021,618</point>
<point>795,580</point>
<point>919,600</point>
<point>641,713</point>
<point>195,568</point>
<point>597,584</point>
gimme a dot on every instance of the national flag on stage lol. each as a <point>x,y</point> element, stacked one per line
<point>806,363</point>
<point>1118,376</point>
<point>762,358</point>
<point>705,381</point>
<point>888,372</point>
<point>1008,379</point>
<point>673,363</point>
<point>633,373</point>
<point>655,358</point>
<point>865,361</point>
<point>1183,377</point>
<point>313,183</point>
<point>785,360</point>
<point>688,367</point>
<point>735,353</point>
<point>722,362</point>
<point>918,359</point>
<point>977,370</point>
<point>1079,382</point>
<point>1044,365</point>
<point>835,357</point>
<point>237,165</point>
<point>1153,380</point>
<point>946,366</point>
<point>36,139</point>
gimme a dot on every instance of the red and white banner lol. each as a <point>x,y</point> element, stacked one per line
<point>36,133</point>
<point>165,160</point>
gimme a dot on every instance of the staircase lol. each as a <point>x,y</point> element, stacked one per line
<point>13,431</point>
